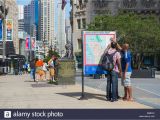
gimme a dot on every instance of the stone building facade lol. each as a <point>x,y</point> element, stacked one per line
<point>84,11</point>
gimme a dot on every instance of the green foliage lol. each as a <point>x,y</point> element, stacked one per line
<point>50,54</point>
<point>142,32</point>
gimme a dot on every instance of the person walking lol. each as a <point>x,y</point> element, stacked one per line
<point>39,69</point>
<point>20,67</point>
<point>126,72</point>
<point>113,67</point>
<point>29,69</point>
<point>33,69</point>
<point>26,68</point>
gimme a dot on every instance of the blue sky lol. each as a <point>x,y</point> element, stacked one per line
<point>23,2</point>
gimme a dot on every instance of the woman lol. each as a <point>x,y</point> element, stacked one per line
<point>39,70</point>
<point>45,66</point>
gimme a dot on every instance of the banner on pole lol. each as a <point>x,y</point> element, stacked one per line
<point>33,42</point>
<point>9,30</point>
<point>27,43</point>
<point>1,30</point>
<point>94,46</point>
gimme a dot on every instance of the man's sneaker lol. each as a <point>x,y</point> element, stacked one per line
<point>114,100</point>
<point>108,99</point>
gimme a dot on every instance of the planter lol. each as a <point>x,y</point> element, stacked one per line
<point>143,74</point>
<point>66,72</point>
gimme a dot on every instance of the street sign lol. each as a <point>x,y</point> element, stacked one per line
<point>94,46</point>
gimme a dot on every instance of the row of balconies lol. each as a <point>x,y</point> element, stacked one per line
<point>104,5</point>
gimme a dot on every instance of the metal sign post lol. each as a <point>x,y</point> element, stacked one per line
<point>83,97</point>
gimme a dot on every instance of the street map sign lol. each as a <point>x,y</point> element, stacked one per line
<point>94,46</point>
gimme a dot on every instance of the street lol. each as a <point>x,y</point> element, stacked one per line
<point>145,91</point>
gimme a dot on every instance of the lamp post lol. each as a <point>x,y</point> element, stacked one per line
<point>44,44</point>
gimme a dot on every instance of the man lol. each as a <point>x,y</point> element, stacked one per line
<point>52,67</point>
<point>126,72</point>
<point>33,69</point>
<point>112,79</point>
<point>56,65</point>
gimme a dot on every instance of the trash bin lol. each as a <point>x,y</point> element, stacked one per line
<point>16,71</point>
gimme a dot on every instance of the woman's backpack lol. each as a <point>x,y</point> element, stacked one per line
<point>108,62</point>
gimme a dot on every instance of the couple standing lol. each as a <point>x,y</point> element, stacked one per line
<point>121,58</point>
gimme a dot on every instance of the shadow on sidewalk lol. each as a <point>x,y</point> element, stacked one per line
<point>87,95</point>
<point>29,81</point>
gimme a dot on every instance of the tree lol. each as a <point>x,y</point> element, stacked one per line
<point>142,32</point>
<point>50,54</point>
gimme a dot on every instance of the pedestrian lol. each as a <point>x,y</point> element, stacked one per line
<point>29,69</point>
<point>33,69</point>
<point>112,64</point>
<point>45,69</point>
<point>26,68</point>
<point>126,72</point>
<point>20,67</point>
<point>56,65</point>
<point>39,69</point>
<point>52,68</point>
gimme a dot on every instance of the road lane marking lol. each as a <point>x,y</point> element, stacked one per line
<point>147,91</point>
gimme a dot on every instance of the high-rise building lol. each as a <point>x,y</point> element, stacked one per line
<point>20,12</point>
<point>61,35</point>
<point>27,18</point>
<point>34,18</point>
<point>31,14</point>
<point>68,30</point>
<point>46,22</point>
<point>20,18</point>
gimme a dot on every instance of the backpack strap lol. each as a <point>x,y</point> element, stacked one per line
<point>113,53</point>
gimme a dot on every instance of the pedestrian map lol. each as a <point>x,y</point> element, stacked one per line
<point>94,45</point>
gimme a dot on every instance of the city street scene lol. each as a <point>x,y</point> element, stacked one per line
<point>80,54</point>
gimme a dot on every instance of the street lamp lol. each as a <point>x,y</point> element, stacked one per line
<point>3,14</point>
<point>44,38</point>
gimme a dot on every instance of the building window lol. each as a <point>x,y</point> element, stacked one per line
<point>45,3</point>
<point>84,23</point>
<point>45,11</point>
<point>79,23</point>
<point>79,44</point>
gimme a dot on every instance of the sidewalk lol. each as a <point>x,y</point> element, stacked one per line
<point>21,92</point>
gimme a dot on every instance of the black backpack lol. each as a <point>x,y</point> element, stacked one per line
<point>107,61</point>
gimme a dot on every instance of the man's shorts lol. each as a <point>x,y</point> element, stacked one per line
<point>51,71</point>
<point>127,81</point>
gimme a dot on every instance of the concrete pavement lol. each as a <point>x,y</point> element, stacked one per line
<point>22,92</point>
<point>145,91</point>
